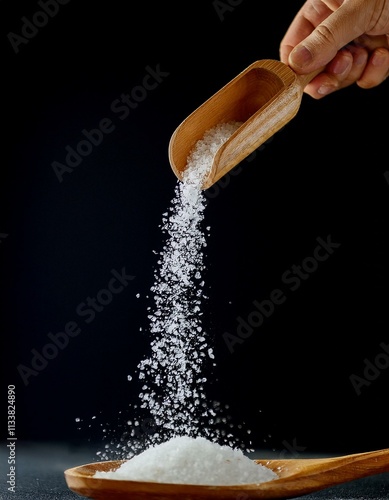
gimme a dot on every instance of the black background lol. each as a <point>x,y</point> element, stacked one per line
<point>323,175</point>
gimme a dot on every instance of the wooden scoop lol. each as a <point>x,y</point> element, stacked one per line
<point>296,477</point>
<point>265,97</point>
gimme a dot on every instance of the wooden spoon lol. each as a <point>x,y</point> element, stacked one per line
<point>296,477</point>
<point>265,97</point>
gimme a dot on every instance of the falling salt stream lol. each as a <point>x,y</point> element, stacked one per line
<point>180,347</point>
<point>185,423</point>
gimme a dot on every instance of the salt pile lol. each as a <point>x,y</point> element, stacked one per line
<point>185,460</point>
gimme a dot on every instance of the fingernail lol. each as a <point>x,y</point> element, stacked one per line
<point>300,56</point>
<point>341,65</point>
<point>360,59</point>
<point>325,89</point>
<point>379,58</point>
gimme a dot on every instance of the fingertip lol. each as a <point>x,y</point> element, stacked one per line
<point>380,57</point>
<point>321,86</point>
<point>376,70</point>
<point>300,57</point>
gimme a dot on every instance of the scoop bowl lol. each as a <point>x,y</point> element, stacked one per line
<point>264,97</point>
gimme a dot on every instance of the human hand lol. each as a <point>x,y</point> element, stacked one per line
<point>349,38</point>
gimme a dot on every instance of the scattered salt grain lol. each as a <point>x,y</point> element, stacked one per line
<point>186,460</point>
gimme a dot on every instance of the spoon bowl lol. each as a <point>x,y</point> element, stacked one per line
<point>296,477</point>
<point>264,97</point>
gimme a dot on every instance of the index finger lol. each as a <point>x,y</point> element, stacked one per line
<point>305,21</point>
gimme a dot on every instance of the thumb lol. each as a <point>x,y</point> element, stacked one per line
<point>337,30</point>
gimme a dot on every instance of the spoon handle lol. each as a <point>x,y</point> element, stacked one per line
<point>334,470</point>
<point>363,464</point>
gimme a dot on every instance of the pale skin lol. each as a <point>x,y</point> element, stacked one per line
<point>349,39</point>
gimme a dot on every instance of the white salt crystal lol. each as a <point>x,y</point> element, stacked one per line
<point>200,159</point>
<point>186,460</point>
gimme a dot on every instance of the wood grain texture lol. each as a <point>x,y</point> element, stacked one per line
<point>296,477</point>
<point>265,97</point>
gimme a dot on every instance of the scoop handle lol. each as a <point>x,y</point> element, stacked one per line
<point>304,79</point>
